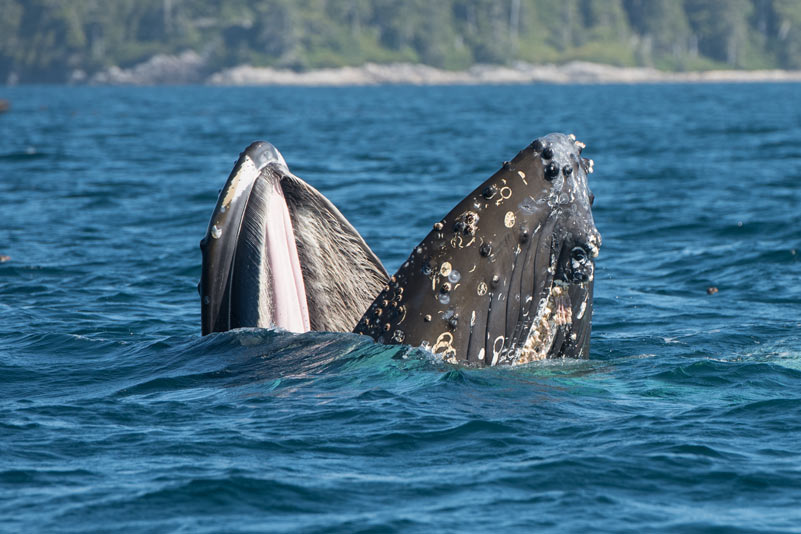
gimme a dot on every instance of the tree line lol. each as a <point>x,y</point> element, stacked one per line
<point>51,40</point>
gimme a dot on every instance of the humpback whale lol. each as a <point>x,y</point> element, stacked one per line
<point>506,277</point>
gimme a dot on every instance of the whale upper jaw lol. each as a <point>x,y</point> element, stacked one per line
<point>507,276</point>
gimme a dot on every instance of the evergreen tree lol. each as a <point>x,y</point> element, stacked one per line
<point>48,40</point>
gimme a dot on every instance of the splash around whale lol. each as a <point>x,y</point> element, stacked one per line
<point>506,277</point>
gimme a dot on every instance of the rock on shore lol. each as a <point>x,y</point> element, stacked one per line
<point>162,69</point>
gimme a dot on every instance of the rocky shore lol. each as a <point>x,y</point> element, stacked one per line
<point>162,69</point>
<point>190,67</point>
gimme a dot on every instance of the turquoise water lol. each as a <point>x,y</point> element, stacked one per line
<point>116,415</point>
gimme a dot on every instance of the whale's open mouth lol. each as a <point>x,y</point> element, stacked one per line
<point>278,253</point>
<point>251,245</point>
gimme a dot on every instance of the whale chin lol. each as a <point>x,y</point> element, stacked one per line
<point>506,277</point>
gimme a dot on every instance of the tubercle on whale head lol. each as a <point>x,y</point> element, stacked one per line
<point>507,275</point>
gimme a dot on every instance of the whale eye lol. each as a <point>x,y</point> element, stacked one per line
<point>485,250</point>
<point>489,192</point>
<point>581,268</point>
<point>579,254</point>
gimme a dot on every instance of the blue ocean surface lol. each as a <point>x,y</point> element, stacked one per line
<point>117,416</point>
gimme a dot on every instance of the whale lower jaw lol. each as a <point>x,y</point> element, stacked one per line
<point>251,270</point>
<point>278,253</point>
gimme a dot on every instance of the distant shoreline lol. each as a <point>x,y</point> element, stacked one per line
<point>570,73</point>
<point>190,67</point>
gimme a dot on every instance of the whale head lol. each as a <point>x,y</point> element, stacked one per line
<point>507,276</point>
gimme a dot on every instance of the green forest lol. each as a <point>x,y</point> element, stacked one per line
<point>49,40</point>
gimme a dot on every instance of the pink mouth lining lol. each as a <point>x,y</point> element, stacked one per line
<point>289,306</point>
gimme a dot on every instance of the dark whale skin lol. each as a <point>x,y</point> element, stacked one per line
<point>512,260</point>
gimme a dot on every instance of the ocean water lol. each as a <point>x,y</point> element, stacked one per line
<point>116,415</point>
